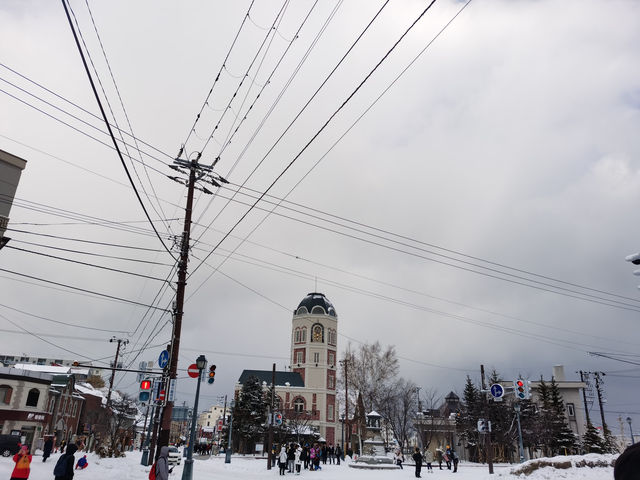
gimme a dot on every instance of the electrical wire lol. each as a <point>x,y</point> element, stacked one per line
<point>111,297</point>
<point>115,142</point>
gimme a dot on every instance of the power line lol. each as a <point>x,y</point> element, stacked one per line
<point>111,297</point>
<point>115,142</point>
<point>333,115</point>
<point>206,100</point>
<point>86,264</point>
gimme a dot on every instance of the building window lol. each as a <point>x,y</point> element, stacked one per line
<point>330,413</point>
<point>297,335</point>
<point>75,409</point>
<point>316,357</point>
<point>33,397</point>
<point>331,383</point>
<point>317,310</point>
<point>298,405</point>
<point>299,358</point>
<point>332,337</point>
<point>42,361</point>
<point>332,359</point>
<point>5,394</point>
<point>571,410</point>
<point>304,334</point>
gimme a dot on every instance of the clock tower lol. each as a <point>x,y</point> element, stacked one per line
<point>314,344</point>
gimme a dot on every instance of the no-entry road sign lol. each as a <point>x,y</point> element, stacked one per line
<point>193,371</point>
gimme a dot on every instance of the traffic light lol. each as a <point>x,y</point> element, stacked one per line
<point>145,391</point>
<point>277,418</point>
<point>521,389</point>
<point>212,374</point>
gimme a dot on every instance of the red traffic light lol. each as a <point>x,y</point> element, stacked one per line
<point>520,383</point>
<point>145,385</point>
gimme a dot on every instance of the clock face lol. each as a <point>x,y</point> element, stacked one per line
<point>317,334</point>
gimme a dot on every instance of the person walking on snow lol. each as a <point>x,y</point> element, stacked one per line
<point>297,460</point>
<point>282,459</point>
<point>46,450</point>
<point>23,464</point>
<point>454,457</point>
<point>64,467</point>
<point>417,457</point>
<point>428,459</point>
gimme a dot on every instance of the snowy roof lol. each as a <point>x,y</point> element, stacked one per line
<point>86,389</point>
<point>374,414</point>
<point>42,368</point>
<point>293,378</point>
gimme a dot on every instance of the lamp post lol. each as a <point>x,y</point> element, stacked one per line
<point>630,430</point>
<point>227,451</point>
<point>187,472</point>
<point>342,441</point>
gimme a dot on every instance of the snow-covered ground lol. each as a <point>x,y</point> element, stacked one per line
<point>251,468</point>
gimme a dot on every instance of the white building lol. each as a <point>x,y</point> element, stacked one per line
<point>309,389</point>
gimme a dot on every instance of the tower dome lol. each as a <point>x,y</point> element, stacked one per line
<point>315,303</point>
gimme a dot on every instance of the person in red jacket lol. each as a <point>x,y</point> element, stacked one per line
<point>23,464</point>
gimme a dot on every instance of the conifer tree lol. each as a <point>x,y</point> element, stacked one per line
<point>563,440</point>
<point>592,442</point>
<point>249,415</point>
<point>503,430</point>
<point>545,418</point>
<point>467,420</point>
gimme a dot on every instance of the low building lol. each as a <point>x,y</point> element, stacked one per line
<point>65,405</point>
<point>25,407</point>
<point>180,423</point>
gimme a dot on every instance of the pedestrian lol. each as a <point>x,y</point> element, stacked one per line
<point>455,459</point>
<point>331,453</point>
<point>161,466</point>
<point>399,458</point>
<point>47,448</point>
<point>22,460</point>
<point>316,461</point>
<point>312,459</point>
<point>447,457</point>
<point>305,456</point>
<point>64,466</point>
<point>428,459</point>
<point>297,460</point>
<point>291,457</point>
<point>282,459</point>
<point>82,463</point>
<point>62,445</point>
<point>325,452</point>
<point>627,464</point>
<point>417,457</point>
<point>338,454</point>
<point>439,456</point>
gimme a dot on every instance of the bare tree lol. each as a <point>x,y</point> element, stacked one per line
<point>398,406</point>
<point>371,371</point>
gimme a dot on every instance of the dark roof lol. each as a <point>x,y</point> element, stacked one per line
<point>319,300</point>
<point>294,378</point>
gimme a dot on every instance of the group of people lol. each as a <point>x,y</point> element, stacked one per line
<point>63,470</point>
<point>294,457</point>
<point>449,456</point>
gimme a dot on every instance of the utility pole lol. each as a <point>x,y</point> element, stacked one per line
<point>345,364</point>
<point>270,417</point>
<point>487,435</point>
<point>196,172</point>
<point>115,365</point>
<point>584,397</point>
<point>605,429</point>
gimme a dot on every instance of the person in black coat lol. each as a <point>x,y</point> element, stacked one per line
<point>627,464</point>
<point>47,448</point>
<point>417,457</point>
<point>69,462</point>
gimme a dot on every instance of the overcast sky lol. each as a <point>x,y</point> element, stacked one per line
<point>512,139</point>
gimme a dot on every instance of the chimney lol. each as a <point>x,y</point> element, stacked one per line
<point>558,373</point>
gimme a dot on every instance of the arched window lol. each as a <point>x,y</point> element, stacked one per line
<point>297,335</point>
<point>302,311</point>
<point>278,402</point>
<point>5,394</point>
<point>304,334</point>
<point>318,310</point>
<point>298,405</point>
<point>332,337</point>
<point>33,397</point>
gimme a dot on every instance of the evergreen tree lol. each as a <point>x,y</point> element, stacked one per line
<point>544,427</point>
<point>467,419</point>
<point>592,442</point>
<point>563,439</point>
<point>504,431</point>
<point>249,415</point>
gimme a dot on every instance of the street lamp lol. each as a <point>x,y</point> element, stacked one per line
<point>342,420</point>
<point>631,430</point>
<point>187,472</point>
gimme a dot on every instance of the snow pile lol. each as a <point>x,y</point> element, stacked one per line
<point>546,466</point>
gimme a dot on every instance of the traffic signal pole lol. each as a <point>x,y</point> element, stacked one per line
<point>165,423</point>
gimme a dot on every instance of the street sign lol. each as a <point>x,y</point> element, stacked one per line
<point>172,390</point>
<point>193,371</point>
<point>497,390</point>
<point>484,426</point>
<point>163,359</point>
<point>161,395</point>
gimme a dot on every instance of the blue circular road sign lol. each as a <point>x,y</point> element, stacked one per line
<point>163,359</point>
<point>497,390</point>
